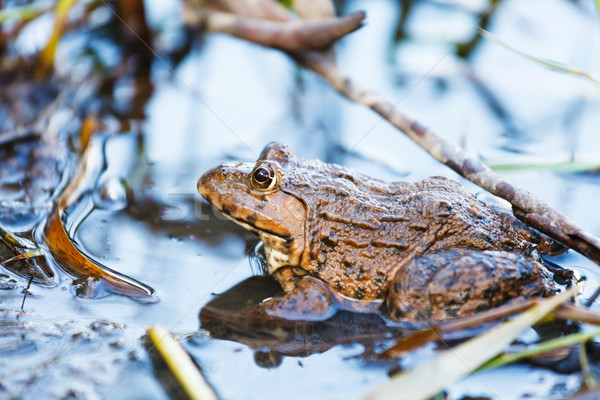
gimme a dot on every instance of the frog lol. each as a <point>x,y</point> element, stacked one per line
<point>336,238</point>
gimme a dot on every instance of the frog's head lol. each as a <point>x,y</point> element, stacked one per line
<point>252,196</point>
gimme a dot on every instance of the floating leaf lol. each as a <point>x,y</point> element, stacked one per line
<point>180,364</point>
<point>63,249</point>
<point>554,65</point>
<point>432,377</point>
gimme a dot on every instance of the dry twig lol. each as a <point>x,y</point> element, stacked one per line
<point>291,36</point>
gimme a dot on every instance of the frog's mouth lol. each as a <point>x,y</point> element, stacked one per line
<point>259,232</point>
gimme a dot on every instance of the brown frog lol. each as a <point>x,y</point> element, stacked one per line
<point>427,249</point>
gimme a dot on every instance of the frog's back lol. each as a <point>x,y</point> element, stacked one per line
<point>362,232</point>
<point>456,218</point>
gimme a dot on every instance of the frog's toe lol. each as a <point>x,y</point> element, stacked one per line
<point>310,300</point>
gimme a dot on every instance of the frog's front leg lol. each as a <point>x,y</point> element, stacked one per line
<point>455,282</point>
<point>306,298</point>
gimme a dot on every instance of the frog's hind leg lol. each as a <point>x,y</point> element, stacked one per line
<point>545,244</point>
<point>455,282</point>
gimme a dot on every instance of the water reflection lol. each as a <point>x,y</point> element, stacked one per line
<point>233,316</point>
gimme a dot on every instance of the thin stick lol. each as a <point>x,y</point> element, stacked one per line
<point>26,292</point>
<point>526,206</point>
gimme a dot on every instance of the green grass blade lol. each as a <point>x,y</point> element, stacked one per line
<point>430,378</point>
<point>540,348</point>
<point>558,166</point>
<point>554,65</point>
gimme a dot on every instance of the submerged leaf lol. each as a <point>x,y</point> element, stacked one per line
<point>411,342</point>
<point>430,378</point>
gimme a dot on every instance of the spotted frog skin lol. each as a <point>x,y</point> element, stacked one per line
<point>426,249</point>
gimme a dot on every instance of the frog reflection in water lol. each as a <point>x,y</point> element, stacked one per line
<point>426,250</point>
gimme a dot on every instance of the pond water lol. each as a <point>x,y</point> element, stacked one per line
<point>225,101</point>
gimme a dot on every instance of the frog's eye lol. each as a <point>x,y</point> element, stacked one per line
<point>263,177</point>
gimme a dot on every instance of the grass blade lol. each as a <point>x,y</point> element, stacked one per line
<point>430,378</point>
<point>554,65</point>
<point>540,348</point>
<point>180,364</point>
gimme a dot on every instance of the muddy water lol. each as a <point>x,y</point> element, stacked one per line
<point>225,101</point>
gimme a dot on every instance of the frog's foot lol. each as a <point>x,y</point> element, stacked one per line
<point>309,300</point>
<point>455,282</point>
